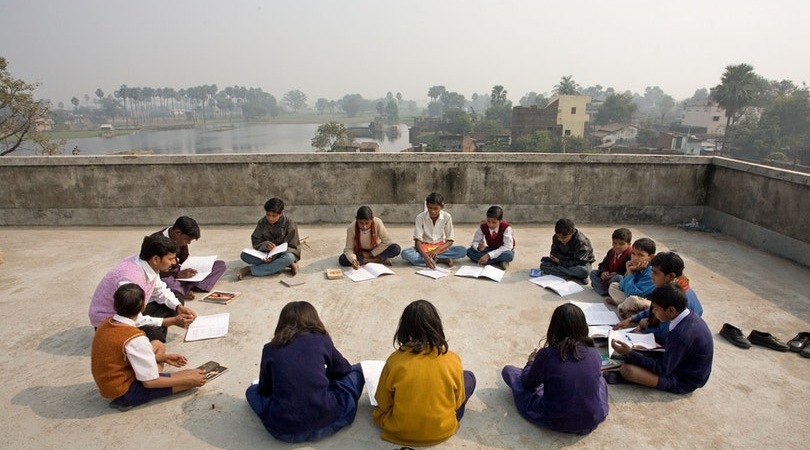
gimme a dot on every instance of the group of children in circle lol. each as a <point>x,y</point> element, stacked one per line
<point>307,390</point>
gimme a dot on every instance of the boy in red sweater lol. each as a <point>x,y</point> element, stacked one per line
<point>613,267</point>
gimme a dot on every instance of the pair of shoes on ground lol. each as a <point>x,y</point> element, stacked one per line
<point>755,337</point>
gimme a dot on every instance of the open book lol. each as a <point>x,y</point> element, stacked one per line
<point>208,327</point>
<point>220,297</point>
<point>557,284</point>
<point>438,272</point>
<point>635,340</point>
<point>368,272</point>
<point>491,272</point>
<point>597,313</point>
<point>372,369</point>
<point>280,248</point>
<point>212,370</point>
<point>202,264</point>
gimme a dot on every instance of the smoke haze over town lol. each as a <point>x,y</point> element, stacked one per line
<point>329,49</point>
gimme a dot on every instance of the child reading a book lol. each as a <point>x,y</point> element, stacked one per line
<point>493,242</point>
<point>636,280</point>
<point>667,267</point>
<point>307,390</point>
<point>423,389</point>
<point>126,366</point>
<point>185,230</point>
<point>687,360</point>
<point>275,228</point>
<point>614,266</point>
<point>367,241</point>
<point>571,253</point>
<point>561,386</point>
<point>433,236</point>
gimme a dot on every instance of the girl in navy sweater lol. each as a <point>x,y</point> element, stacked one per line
<point>561,387</point>
<point>307,390</point>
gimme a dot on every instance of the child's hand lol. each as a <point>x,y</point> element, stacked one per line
<point>532,355</point>
<point>642,325</point>
<point>355,265</point>
<point>623,324</point>
<point>620,347</point>
<point>482,245</point>
<point>605,276</point>
<point>554,258</point>
<point>484,260</point>
<point>173,359</point>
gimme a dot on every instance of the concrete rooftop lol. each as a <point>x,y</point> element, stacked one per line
<point>755,398</point>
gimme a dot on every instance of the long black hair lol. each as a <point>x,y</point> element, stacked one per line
<point>297,318</point>
<point>567,331</point>
<point>420,329</point>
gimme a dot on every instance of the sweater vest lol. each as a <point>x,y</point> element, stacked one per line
<point>497,241</point>
<point>111,370</point>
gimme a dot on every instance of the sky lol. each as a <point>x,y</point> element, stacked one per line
<point>370,47</point>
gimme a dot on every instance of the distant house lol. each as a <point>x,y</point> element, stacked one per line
<point>369,147</point>
<point>615,133</point>
<point>682,143</point>
<point>565,115</point>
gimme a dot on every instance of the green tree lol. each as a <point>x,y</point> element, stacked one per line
<point>99,93</point>
<point>352,104</point>
<point>460,124</point>
<point>737,89</point>
<point>498,96</point>
<point>321,104</point>
<point>75,102</point>
<point>567,86</point>
<point>539,141</point>
<point>392,110</point>
<point>295,99</point>
<point>435,92</point>
<point>646,136</point>
<point>19,114</point>
<point>330,135</point>
<point>452,100</point>
<point>617,108</point>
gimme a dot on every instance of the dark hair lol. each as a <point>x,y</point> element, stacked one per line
<point>646,245</point>
<point>564,227</point>
<point>128,300</point>
<point>187,226</point>
<point>568,329</point>
<point>275,205</point>
<point>157,246</point>
<point>622,234</point>
<point>434,198</point>
<point>670,294</point>
<point>297,318</point>
<point>420,329</point>
<point>668,262</point>
<point>495,212</point>
<point>364,213</point>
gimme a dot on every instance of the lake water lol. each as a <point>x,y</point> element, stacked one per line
<point>258,138</point>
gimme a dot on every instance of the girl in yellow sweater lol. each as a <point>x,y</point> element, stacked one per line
<point>423,388</point>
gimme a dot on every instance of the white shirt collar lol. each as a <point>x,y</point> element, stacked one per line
<point>124,320</point>
<point>674,322</point>
<point>147,269</point>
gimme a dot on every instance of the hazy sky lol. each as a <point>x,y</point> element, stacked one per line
<point>330,48</point>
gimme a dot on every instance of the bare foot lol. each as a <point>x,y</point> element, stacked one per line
<point>450,262</point>
<point>190,295</point>
<point>610,301</point>
<point>294,268</point>
<point>242,273</point>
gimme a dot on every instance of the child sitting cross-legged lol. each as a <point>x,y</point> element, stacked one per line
<point>687,360</point>
<point>126,366</point>
<point>667,267</point>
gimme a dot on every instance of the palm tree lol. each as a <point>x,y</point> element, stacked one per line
<point>498,95</point>
<point>736,90</point>
<point>567,86</point>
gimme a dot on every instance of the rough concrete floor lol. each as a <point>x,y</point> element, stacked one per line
<point>755,398</point>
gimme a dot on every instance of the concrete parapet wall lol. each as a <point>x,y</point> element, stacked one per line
<point>328,188</point>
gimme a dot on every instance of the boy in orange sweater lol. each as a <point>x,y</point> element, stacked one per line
<point>126,366</point>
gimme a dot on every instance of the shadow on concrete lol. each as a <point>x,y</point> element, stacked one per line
<point>207,415</point>
<point>76,401</point>
<point>72,342</point>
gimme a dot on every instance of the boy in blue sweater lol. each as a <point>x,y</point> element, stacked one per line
<point>687,359</point>
<point>667,267</point>
<point>637,279</point>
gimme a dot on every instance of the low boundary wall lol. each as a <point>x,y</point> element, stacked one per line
<point>764,206</point>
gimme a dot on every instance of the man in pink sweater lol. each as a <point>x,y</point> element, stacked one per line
<point>162,306</point>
